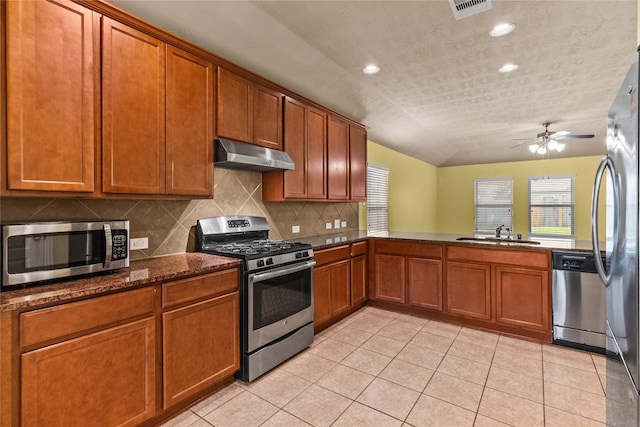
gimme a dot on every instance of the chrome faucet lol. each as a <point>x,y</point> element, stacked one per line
<point>499,230</point>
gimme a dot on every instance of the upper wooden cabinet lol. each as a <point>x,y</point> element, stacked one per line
<point>248,112</point>
<point>133,107</point>
<point>157,116</point>
<point>305,140</point>
<point>189,124</point>
<point>338,159</point>
<point>53,70</point>
<point>357,163</point>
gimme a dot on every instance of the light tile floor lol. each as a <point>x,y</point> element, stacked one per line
<point>380,368</point>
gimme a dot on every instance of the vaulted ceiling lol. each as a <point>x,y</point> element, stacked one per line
<point>439,96</point>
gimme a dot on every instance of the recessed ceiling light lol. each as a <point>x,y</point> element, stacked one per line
<point>371,69</point>
<point>508,67</point>
<point>502,29</point>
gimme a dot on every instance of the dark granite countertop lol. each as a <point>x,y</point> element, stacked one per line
<point>336,239</point>
<point>139,273</point>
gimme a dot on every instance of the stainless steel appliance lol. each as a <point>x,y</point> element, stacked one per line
<point>239,155</point>
<point>579,315</point>
<point>39,251</point>
<point>276,290</point>
<point>620,274</point>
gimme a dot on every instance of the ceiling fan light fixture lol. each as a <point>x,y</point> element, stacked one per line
<point>542,150</point>
<point>552,145</point>
<point>533,148</point>
<point>371,69</point>
<point>560,147</point>
<point>502,29</point>
<point>506,68</point>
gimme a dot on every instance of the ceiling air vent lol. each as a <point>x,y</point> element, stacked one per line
<point>464,8</point>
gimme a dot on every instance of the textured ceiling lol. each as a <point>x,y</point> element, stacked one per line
<point>438,96</point>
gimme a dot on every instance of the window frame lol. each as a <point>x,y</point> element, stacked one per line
<point>377,199</point>
<point>572,206</point>
<point>509,207</point>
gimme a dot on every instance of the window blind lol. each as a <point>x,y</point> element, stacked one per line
<point>494,204</point>
<point>377,198</point>
<point>551,205</point>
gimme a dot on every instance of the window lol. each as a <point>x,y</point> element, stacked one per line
<point>494,204</point>
<point>377,198</point>
<point>551,205</point>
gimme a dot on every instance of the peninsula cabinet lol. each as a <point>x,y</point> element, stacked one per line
<point>305,140</point>
<point>358,273</point>
<point>157,116</point>
<point>332,285</point>
<point>408,273</point>
<point>248,112</point>
<point>52,90</point>
<point>504,287</point>
<point>85,356</point>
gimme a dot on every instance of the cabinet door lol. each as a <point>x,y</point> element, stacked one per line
<point>108,374</point>
<point>235,107</point>
<point>52,87</point>
<point>338,159</point>
<point>340,287</point>
<point>322,294</point>
<point>189,124</point>
<point>390,282</point>
<point>469,289</point>
<point>358,279</point>
<point>133,108</point>
<point>522,298</point>
<point>267,117</point>
<point>295,135</point>
<point>358,163</point>
<point>316,154</point>
<point>425,283</point>
<point>201,345</point>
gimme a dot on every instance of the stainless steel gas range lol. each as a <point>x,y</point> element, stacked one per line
<point>276,290</point>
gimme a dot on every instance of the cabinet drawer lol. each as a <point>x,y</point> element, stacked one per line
<point>198,287</point>
<point>425,250</point>
<point>358,248</point>
<point>523,257</point>
<point>327,256</point>
<point>55,322</point>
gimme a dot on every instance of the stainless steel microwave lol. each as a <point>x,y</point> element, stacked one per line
<point>40,251</point>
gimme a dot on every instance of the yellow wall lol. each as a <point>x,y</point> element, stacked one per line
<point>456,192</point>
<point>424,198</point>
<point>412,191</point>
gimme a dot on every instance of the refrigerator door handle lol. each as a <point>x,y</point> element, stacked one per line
<point>604,164</point>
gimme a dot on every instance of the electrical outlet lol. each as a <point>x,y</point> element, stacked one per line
<point>295,228</point>
<point>137,244</point>
<point>328,225</point>
<point>344,224</point>
<point>336,223</point>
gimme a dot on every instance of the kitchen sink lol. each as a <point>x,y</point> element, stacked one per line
<point>497,240</point>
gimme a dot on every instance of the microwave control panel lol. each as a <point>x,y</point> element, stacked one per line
<point>119,244</point>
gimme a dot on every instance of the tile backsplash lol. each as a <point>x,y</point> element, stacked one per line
<point>170,224</point>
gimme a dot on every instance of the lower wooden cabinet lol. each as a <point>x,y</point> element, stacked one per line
<point>390,282</point>
<point>358,279</point>
<point>200,346</point>
<point>522,297</point>
<point>332,284</point>
<point>108,375</point>
<point>469,290</point>
<point>424,278</point>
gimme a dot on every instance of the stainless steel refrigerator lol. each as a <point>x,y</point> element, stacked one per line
<point>620,274</point>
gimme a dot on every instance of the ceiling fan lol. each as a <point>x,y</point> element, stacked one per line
<point>548,140</point>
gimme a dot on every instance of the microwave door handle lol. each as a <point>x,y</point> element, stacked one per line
<point>108,245</point>
<point>604,164</point>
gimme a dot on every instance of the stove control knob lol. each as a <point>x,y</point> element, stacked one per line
<point>260,263</point>
<point>305,253</point>
<point>298,255</point>
<point>269,261</point>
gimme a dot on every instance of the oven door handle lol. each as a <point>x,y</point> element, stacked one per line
<point>287,269</point>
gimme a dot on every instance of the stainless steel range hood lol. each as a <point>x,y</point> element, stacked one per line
<point>239,155</point>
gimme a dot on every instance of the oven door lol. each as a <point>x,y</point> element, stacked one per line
<point>279,302</point>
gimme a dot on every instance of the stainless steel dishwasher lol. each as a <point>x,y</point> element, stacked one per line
<point>579,311</point>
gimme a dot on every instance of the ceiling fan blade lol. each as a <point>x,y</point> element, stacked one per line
<point>575,137</point>
<point>557,135</point>
<point>527,141</point>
